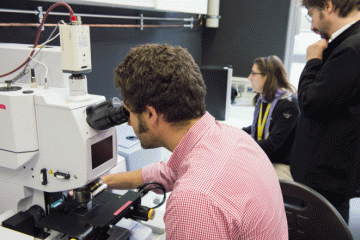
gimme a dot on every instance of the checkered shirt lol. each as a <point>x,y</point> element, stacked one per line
<point>223,186</point>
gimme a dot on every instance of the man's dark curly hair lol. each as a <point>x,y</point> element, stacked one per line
<point>164,77</point>
<point>344,6</point>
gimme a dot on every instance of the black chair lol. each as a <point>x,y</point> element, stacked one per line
<point>310,216</point>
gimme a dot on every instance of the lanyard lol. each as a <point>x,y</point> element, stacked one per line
<point>261,122</point>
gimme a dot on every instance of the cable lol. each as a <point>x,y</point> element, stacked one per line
<point>72,18</point>
<point>46,68</point>
<point>52,33</point>
<point>20,75</point>
<point>142,189</point>
<point>41,46</point>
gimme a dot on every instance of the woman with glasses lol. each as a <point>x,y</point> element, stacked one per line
<point>276,112</point>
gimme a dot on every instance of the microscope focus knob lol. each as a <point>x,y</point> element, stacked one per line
<point>97,186</point>
<point>142,213</point>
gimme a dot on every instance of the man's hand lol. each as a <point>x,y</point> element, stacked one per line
<point>316,50</point>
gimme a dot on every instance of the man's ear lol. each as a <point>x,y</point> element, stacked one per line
<point>152,115</point>
<point>329,7</point>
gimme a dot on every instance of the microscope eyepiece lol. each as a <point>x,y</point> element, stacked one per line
<point>107,114</point>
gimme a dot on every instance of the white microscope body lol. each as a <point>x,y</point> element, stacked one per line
<point>57,139</point>
<point>46,144</point>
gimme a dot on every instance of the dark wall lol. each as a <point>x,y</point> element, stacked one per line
<point>108,45</point>
<point>248,29</point>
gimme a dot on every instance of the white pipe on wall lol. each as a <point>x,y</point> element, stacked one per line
<point>212,17</point>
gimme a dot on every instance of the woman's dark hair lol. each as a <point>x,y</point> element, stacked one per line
<point>273,68</point>
<point>164,77</point>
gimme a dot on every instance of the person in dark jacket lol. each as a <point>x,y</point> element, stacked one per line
<point>276,112</point>
<point>326,154</point>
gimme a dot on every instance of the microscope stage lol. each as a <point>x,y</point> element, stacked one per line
<point>108,208</point>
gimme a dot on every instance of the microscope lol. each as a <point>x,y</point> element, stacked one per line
<point>53,140</point>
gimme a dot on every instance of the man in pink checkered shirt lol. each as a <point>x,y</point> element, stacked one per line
<point>222,184</point>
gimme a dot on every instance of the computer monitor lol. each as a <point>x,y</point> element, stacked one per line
<point>218,86</point>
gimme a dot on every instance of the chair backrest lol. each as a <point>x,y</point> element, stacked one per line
<point>310,215</point>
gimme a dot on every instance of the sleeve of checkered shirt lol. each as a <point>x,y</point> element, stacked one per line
<point>192,215</point>
<point>161,173</point>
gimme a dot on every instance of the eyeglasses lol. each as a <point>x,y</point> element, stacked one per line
<point>254,73</point>
<point>308,15</point>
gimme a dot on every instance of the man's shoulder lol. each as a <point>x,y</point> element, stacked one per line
<point>288,99</point>
<point>287,102</point>
<point>225,138</point>
<point>224,130</point>
<point>351,42</point>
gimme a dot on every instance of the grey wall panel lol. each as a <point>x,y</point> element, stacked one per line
<point>248,29</point>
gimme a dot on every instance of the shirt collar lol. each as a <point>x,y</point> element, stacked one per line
<point>340,31</point>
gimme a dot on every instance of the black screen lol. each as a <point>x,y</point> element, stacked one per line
<point>216,81</point>
<point>102,152</point>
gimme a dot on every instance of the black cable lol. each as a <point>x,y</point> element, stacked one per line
<point>164,194</point>
<point>142,189</point>
<point>150,183</point>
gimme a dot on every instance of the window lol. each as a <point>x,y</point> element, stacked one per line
<point>299,37</point>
